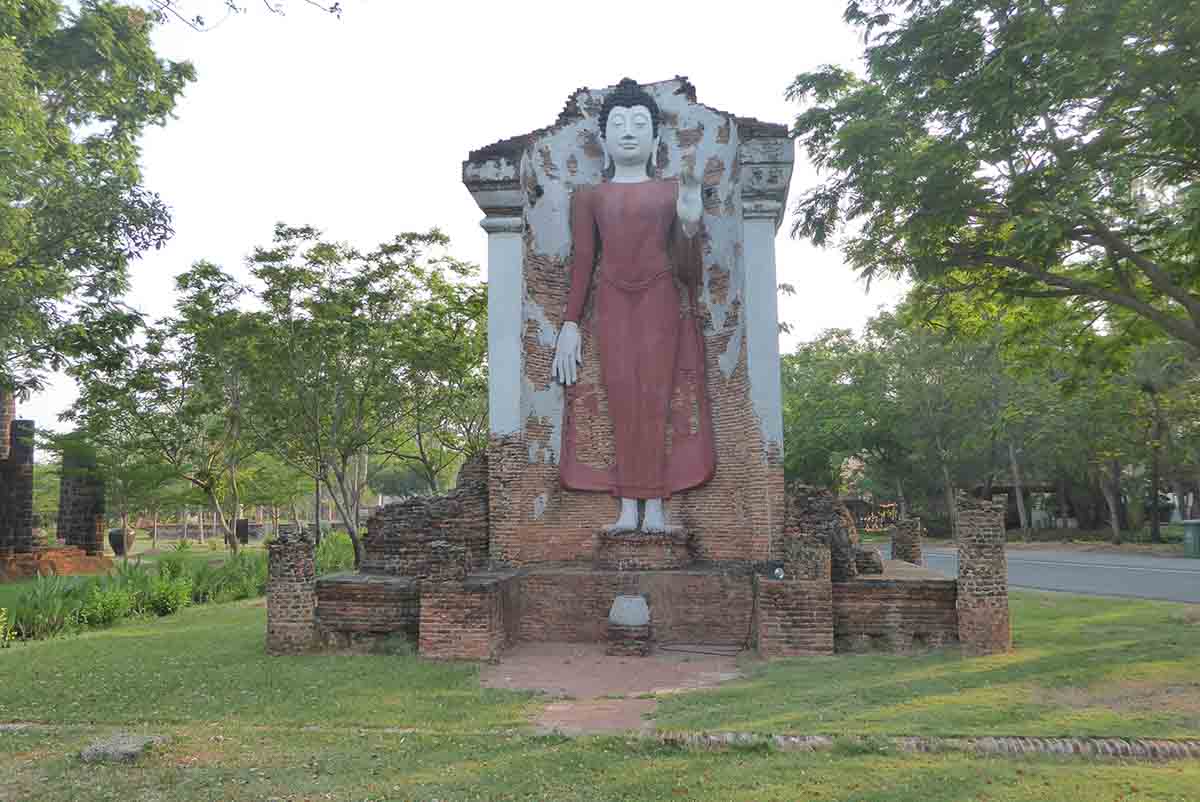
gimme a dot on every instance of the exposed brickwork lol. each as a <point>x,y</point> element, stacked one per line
<point>44,561</point>
<point>894,615</point>
<point>291,594</point>
<point>906,540</point>
<point>638,551</point>
<point>358,609</point>
<point>868,561</point>
<point>687,606</point>
<point>463,620</point>
<point>16,482</point>
<point>626,641</point>
<point>983,619</point>
<point>793,617</point>
<point>81,519</point>
<point>417,536</point>
<point>814,511</point>
<point>8,414</point>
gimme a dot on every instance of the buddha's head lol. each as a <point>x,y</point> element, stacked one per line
<point>629,124</point>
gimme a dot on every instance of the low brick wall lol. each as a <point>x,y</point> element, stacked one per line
<point>983,619</point>
<point>291,595</point>
<point>894,615</point>
<point>638,551</point>
<point>463,620</point>
<point>570,604</point>
<point>906,541</point>
<point>44,561</point>
<point>359,609</point>
<point>628,641</point>
<point>793,617</point>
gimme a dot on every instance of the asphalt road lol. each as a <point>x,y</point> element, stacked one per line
<point>1135,575</point>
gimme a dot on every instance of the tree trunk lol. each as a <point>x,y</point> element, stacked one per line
<point>200,525</point>
<point>951,508</point>
<point>1155,470</point>
<point>901,500</point>
<point>1018,488</point>
<point>154,530</point>
<point>1111,487</point>
<point>184,529</point>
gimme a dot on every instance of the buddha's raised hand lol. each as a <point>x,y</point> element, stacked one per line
<point>690,206</point>
<point>567,354</point>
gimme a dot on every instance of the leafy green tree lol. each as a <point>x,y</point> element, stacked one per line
<point>364,354</point>
<point>1033,148</point>
<point>79,83</point>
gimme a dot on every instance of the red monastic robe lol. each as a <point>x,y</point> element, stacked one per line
<point>650,345</point>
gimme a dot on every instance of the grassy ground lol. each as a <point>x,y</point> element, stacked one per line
<point>1081,666</point>
<point>246,727</point>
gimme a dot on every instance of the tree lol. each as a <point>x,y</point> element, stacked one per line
<point>79,84</point>
<point>364,354</point>
<point>176,398</point>
<point>1032,148</point>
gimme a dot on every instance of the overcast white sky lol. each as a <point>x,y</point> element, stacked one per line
<point>360,125</point>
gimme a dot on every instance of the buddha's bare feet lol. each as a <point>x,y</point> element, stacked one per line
<point>627,521</point>
<point>655,520</point>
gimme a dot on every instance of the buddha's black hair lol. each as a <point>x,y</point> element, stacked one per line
<point>627,95</point>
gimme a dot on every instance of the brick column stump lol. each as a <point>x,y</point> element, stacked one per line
<point>906,541</point>
<point>983,620</point>
<point>793,617</point>
<point>291,595</point>
<point>461,620</point>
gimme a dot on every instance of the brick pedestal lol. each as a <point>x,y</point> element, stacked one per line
<point>626,641</point>
<point>357,610</point>
<point>793,617</point>
<point>462,620</point>
<point>983,619</point>
<point>640,551</point>
<point>906,541</point>
<point>291,595</point>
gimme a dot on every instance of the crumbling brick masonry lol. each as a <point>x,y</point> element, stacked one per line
<point>291,594</point>
<point>983,619</point>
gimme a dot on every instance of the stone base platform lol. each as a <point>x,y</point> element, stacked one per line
<point>478,617</point>
<point>641,551</point>
<point>65,560</point>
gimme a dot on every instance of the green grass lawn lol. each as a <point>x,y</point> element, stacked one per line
<point>1081,666</point>
<point>243,726</point>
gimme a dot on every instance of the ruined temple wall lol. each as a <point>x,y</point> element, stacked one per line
<point>533,519</point>
<point>16,481</point>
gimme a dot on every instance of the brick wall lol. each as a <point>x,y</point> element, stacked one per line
<point>639,551</point>
<point>16,482</point>
<point>685,606</point>
<point>401,538</point>
<point>291,594</point>
<point>814,516</point>
<point>983,619</point>
<point>354,609</point>
<point>906,540</point>
<point>463,620</point>
<point>894,615</point>
<point>793,617</point>
<point>81,518</point>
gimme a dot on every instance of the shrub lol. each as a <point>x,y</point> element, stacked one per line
<point>135,578</point>
<point>6,631</point>
<point>169,595</point>
<point>182,545</point>
<point>48,607</point>
<point>335,553</point>
<point>173,566</point>
<point>105,604</point>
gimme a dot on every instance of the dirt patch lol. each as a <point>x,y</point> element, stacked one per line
<point>583,671</point>
<point>1128,696</point>
<point>601,693</point>
<point>597,716</point>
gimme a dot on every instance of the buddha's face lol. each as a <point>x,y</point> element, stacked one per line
<point>629,135</point>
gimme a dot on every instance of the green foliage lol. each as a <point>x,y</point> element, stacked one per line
<point>169,594</point>
<point>334,553</point>
<point>1014,148</point>
<point>6,631</point>
<point>49,606</point>
<point>79,84</point>
<point>105,604</point>
<point>242,576</point>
